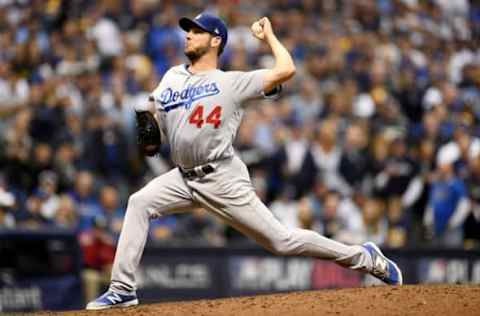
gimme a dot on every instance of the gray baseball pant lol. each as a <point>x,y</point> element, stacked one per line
<point>229,194</point>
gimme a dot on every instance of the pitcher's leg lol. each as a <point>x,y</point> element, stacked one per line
<point>228,193</point>
<point>306,242</point>
<point>164,194</point>
<point>255,220</point>
<point>131,244</point>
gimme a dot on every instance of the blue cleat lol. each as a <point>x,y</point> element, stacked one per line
<point>111,299</point>
<point>383,268</point>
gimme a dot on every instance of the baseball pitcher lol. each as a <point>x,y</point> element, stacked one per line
<point>199,108</point>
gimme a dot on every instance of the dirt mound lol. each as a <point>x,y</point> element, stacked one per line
<point>406,300</point>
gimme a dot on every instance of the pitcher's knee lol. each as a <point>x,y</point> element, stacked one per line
<point>288,245</point>
<point>137,201</point>
<point>292,244</point>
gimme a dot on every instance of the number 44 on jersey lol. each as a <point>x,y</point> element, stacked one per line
<point>214,117</point>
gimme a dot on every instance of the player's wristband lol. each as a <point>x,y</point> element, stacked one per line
<point>274,93</point>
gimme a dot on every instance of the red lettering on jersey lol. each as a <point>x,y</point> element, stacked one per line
<point>196,117</point>
<point>213,118</point>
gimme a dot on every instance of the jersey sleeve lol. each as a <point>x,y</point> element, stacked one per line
<point>147,105</point>
<point>249,85</point>
<point>156,96</point>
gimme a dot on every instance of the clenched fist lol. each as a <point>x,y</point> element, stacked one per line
<point>262,28</point>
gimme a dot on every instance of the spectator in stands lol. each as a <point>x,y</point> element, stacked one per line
<point>7,202</point>
<point>66,216</point>
<point>374,220</point>
<point>40,162</point>
<point>355,160</point>
<point>18,146</point>
<point>163,229</point>
<point>317,195</point>
<point>398,225</point>
<point>415,199</point>
<point>397,175</point>
<point>47,192</point>
<point>111,210</point>
<point>293,163</point>
<point>31,217</point>
<point>307,104</point>
<point>397,172</point>
<point>265,129</point>
<point>307,219</point>
<point>284,208</point>
<point>448,205</point>
<point>468,148</point>
<point>200,228</point>
<point>326,155</point>
<point>342,220</point>
<point>85,197</point>
<point>64,165</point>
<point>165,40</point>
<point>7,220</point>
<point>106,148</point>
<point>98,248</point>
<point>48,115</point>
<point>472,223</point>
<point>245,141</point>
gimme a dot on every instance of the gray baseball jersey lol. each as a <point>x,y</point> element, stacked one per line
<point>200,113</point>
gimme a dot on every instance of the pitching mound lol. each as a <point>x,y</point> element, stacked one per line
<point>407,300</point>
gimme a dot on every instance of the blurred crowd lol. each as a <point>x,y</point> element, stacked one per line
<point>377,137</point>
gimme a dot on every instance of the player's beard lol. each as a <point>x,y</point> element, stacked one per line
<point>196,54</point>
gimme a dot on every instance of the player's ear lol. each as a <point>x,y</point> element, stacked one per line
<point>216,41</point>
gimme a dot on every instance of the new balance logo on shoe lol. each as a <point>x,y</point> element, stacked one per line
<point>111,299</point>
<point>114,298</point>
<point>381,263</point>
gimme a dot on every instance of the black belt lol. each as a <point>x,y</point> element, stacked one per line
<point>196,172</point>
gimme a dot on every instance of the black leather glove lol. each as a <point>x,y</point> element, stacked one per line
<point>148,134</point>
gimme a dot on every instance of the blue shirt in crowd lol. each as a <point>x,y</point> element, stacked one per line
<point>444,199</point>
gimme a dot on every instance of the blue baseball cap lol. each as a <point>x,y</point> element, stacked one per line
<point>209,23</point>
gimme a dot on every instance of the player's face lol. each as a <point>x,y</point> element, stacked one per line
<point>197,43</point>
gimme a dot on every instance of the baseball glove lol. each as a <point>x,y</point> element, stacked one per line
<point>148,134</point>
